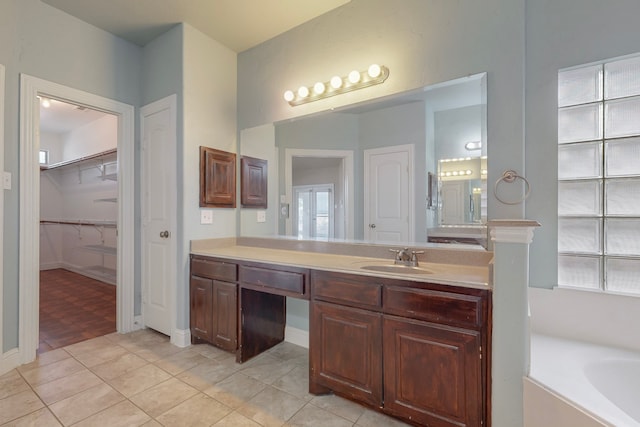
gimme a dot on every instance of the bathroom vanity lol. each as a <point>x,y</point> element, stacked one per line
<point>414,343</point>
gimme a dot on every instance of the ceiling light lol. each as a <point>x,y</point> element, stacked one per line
<point>473,145</point>
<point>45,102</point>
<point>374,75</point>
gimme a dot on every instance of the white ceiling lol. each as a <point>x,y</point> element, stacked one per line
<point>61,117</point>
<point>237,24</point>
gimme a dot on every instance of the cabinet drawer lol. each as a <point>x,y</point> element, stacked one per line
<point>355,291</point>
<point>434,306</point>
<point>214,269</point>
<point>283,282</point>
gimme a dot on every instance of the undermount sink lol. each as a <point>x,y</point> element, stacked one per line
<point>396,269</point>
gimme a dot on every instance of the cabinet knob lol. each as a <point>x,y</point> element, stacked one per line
<point>164,234</point>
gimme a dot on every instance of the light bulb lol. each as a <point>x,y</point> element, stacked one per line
<point>289,95</point>
<point>318,88</point>
<point>469,172</point>
<point>303,91</point>
<point>336,82</point>
<point>374,71</point>
<point>354,76</point>
<point>46,103</point>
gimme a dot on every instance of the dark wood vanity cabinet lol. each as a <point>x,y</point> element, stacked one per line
<point>415,350</point>
<point>214,302</point>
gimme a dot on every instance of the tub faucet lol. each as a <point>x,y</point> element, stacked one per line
<point>406,257</point>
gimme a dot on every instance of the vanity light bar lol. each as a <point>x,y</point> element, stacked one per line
<point>374,75</point>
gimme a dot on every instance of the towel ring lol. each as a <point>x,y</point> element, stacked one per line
<point>509,176</point>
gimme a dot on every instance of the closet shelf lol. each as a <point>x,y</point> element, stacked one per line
<point>108,199</point>
<point>109,224</point>
<point>108,250</point>
<point>79,160</point>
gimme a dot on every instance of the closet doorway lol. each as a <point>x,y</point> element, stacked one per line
<point>78,223</point>
<point>32,90</point>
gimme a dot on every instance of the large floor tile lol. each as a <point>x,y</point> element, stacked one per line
<point>121,365</point>
<point>271,407</point>
<point>312,416</point>
<point>236,419</point>
<point>19,405</point>
<point>40,418</point>
<point>138,380</point>
<point>199,410</point>
<point>123,414</point>
<point>235,390</point>
<point>12,383</point>
<point>160,398</point>
<point>85,403</point>
<point>181,361</point>
<point>52,371</point>
<point>64,387</point>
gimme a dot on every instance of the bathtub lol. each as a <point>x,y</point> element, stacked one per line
<point>601,382</point>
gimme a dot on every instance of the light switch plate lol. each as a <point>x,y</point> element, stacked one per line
<point>7,180</point>
<point>261,216</point>
<point>206,217</point>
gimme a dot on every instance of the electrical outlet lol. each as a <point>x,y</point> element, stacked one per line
<point>206,217</point>
<point>261,216</point>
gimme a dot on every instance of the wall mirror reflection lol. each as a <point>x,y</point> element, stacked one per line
<point>404,169</point>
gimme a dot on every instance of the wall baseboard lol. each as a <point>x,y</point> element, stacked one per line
<point>9,360</point>
<point>181,337</point>
<point>296,336</point>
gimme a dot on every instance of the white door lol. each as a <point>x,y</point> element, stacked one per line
<point>158,128</point>
<point>452,206</point>
<point>388,194</point>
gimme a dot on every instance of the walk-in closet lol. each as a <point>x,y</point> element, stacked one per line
<point>78,223</point>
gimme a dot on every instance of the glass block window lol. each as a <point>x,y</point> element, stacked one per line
<point>599,176</point>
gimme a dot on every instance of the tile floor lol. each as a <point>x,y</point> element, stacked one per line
<point>140,379</point>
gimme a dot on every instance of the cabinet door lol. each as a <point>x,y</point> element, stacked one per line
<point>345,352</point>
<point>225,315</point>
<point>201,308</point>
<point>432,373</point>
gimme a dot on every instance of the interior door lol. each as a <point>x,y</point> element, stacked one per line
<point>158,127</point>
<point>388,194</point>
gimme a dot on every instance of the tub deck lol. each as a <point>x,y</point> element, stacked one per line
<point>561,365</point>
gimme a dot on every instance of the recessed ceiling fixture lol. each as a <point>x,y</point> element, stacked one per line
<point>374,75</point>
<point>474,145</point>
<point>45,102</point>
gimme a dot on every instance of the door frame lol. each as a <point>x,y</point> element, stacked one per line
<point>29,243</point>
<point>348,172</point>
<point>2,356</point>
<point>177,337</point>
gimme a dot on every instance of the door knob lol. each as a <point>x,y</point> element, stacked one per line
<point>372,226</point>
<point>164,234</point>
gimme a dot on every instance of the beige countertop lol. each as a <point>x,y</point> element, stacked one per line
<point>456,274</point>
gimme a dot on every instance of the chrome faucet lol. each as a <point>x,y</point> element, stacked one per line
<point>406,257</point>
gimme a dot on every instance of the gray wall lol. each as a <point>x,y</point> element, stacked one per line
<point>82,57</point>
<point>421,42</point>
<point>562,33</point>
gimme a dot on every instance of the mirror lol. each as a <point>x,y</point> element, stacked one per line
<point>404,169</point>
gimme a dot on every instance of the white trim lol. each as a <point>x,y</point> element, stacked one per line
<point>168,103</point>
<point>181,337</point>
<point>9,360</point>
<point>30,88</point>
<point>3,356</point>
<point>512,231</point>
<point>349,179</point>
<point>296,336</point>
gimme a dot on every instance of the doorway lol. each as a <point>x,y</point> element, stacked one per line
<point>78,223</point>
<point>31,90</point>
<point>343,194</point>
<point>313,211</point>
